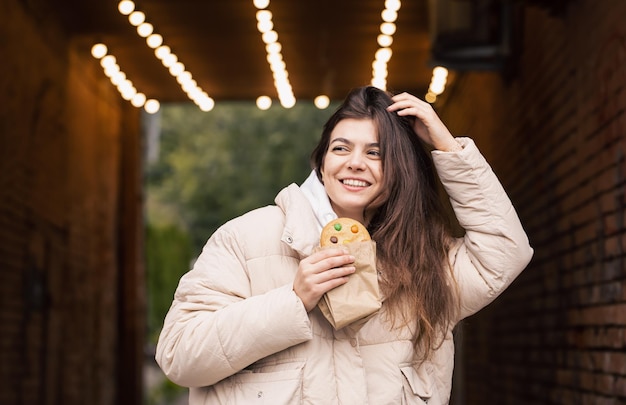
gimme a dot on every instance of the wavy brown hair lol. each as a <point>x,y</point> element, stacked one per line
<point>409,222</point>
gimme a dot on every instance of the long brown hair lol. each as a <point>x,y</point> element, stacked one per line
<point>409,224</point>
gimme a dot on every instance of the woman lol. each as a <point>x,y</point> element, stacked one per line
<point>244,326</point>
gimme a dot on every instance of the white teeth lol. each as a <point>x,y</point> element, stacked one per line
<point>355,183</point>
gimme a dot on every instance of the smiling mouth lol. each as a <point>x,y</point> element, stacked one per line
<point>355,183</point>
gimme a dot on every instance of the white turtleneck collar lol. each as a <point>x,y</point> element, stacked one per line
<point>315,193</point>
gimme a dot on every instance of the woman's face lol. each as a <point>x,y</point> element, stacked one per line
<point>352,169</point>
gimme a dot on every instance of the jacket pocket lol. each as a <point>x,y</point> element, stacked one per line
<point>418,383</point>
<point>269,383</point>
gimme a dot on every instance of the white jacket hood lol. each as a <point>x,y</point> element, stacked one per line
<point>315,193</point>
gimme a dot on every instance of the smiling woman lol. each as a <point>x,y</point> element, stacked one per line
<point>245,322</point>
<point>352,170</point>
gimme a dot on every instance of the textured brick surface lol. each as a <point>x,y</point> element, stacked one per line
<point>70,280</point>
<point>556,136</point>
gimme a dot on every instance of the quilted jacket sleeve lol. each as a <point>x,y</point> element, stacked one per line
<point>216,327</point>
<point>495,248</point>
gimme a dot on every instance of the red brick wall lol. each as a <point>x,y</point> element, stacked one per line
<point>71,291</point>
<point>556,136</point>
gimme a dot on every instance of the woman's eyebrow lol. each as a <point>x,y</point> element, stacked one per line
<point>346,141</point>
<point>342,140</point>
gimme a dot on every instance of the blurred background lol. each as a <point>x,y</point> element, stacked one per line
<point>129,131</point>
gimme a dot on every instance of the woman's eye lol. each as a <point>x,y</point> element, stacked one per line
<point>374,153</point>
<point>339,148</point>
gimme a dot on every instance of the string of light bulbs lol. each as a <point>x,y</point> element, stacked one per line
<point>274,58</point>
<point>118,78</point>
<point>265,25</point>
<point>387,28</point>
<point>437,84</point>
<point>165,54</point>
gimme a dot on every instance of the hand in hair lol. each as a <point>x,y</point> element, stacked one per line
<point>427,124</point>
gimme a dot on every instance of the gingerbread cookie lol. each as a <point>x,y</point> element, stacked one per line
<point>343,230</point>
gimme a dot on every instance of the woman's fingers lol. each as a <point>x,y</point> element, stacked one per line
<point>329,258</point>
<point>321,272</point>
<point>427,125</point>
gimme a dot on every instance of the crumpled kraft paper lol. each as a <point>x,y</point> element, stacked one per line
<point>360,296</point>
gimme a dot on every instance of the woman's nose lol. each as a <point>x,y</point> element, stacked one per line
<point>356,161</point>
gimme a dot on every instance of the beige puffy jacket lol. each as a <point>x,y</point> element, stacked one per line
<point>236,333</point>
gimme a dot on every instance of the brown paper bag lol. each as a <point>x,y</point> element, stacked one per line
<point>359,297</point>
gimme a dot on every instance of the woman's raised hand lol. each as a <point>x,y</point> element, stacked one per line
<point>321,272</point>
<point>427,124</point>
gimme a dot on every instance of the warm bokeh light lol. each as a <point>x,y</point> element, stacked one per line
<point>385,41</point>
<point>117,78</point>
<point>274,47</point>
<point>389,15</point>
<point>270,36</point>
<point>162,51</point>
<point>264,15</point>
<point>438,81</point>
<point>322,102</point>
<point>169,59</point>
<point>126,7</point>
<point>138,100</point>
<point>437,84</point>
<point>108,61</point>
<point>384,54</point>
<point>206,103</point>
<point>98,51</point>
<point>261,3</point>
<point>176,69</point>
<point>388,28</point>
<point>136,18</point>
<point>392,5</point>
<point>145,29</point>
<point>263,102</point>
<point>440,71</point>
<point>152,106</point>
<point>265,26</point>
<point>154,41</point>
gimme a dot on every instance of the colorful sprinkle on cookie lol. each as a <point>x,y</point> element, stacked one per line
<point>342,231</point>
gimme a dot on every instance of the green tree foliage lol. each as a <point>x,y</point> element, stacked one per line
<point>215,166</point>
<point>168,254</point>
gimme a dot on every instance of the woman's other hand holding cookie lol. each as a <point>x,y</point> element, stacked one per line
<point>321,272</point>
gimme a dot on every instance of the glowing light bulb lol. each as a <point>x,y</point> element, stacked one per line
<point>145,29</point>
<point>263,15</point>
<point>136,18</point>
<point>263,103</point>
<point>162,51</point>
<point>152,106</point>
<point>393,5</point>
<point>260,4</point>
<point>389,15</point>
<point>385,41</point>
<point>388,28</point>
<point>138,100</point>
<point>321,102</point>
<point>126,7</point>
<point>98,51</point>
<point>154,41</point>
